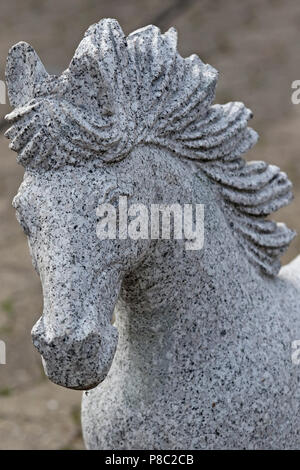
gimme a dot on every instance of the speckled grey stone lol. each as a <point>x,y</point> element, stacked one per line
<point>200,353</point>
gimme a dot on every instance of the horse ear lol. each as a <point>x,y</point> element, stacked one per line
<point>98,61</point>
<point>24,70</point>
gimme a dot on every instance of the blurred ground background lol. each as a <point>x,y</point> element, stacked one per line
<point>255,46</point>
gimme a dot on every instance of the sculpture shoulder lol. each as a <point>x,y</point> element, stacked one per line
<point>291,272</point>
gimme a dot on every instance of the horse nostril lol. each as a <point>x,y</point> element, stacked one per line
<point>38,332</point>
<point>38,329</point>
<point>42,343</point>
<point>65,344</point>
<point>38,342</point>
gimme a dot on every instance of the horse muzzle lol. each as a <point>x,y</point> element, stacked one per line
<point>76,363</point>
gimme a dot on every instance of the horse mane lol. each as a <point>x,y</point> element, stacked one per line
<point>119,92</point>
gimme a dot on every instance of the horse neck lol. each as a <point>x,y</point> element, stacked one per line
<point>175,283</point>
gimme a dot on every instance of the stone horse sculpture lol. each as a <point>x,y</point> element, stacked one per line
<point>199,355</point>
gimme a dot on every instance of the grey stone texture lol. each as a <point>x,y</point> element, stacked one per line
<point>200,352</point>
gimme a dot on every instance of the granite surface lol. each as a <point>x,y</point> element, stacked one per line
<point>200,352</point>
